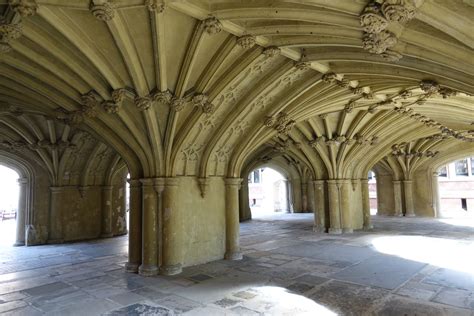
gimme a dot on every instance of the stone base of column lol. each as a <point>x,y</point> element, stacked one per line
<point>237,255</point>
<point>131,267</point>
<point>319,229</point>
<point>171,270</point>
<point>146,270</point>
<point>106,235</point>
<point>398,214</point>
<point>335,231</point>
<point>347,230</point>
<point>410,215</point>
<point>55,241</point>
<point>19,244</point>
<point>368,227</point>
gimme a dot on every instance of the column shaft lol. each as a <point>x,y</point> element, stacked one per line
<point>409,205</point>
<point>345,205</point>
<point>173,229</point>
<point>365,203</point>
<point>55,216</point>
<point>135,227</point>
<point>397,196</point>
<point>232,219</point>
<point>21,212</point>
<point>106,230</point>
<point>334,213</point>
<point>436,200</point>
<point>319,212</point>
<point>149,264</point>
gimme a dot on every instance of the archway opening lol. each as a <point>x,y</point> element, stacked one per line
<point>9,201</point>
<point>456,189</point>
<point>268,192</point>
<point>372,192</point>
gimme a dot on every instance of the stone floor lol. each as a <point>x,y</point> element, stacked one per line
<point>405,266</point>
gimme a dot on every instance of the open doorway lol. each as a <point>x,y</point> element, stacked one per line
<point>9,199</point>
<point>456,189</point>
<point>372,192</point>
<point>268,192</point>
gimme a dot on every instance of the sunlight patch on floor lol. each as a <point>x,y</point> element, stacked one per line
<point>444,253</point>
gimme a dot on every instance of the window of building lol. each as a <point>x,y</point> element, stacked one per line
<point>472,166</point>
<point>443,171</point>
<point>255,176</point>
<point>461,168</point>
<point>371,175</point>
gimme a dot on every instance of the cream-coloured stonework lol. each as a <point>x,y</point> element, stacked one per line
<point>188,97</point>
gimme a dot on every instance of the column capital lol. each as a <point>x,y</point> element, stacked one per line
<point>364,181</point>
<point>407,181</point>
<point>134,183</point>
<point>233,181</point>
<point>331,181</point>
<point>159,184</point>
<point>172,182</point>
<point>318,182</point>
<point>396,181</point>
<point>147,182</point>
<point>107,187</point>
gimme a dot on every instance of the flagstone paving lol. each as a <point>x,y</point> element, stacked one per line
<point>396,269</point>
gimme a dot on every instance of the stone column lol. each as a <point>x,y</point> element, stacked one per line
<point>334,213</point>
<point>232,233</point>
<point>436,200</point>
<point>173,230</point>
<point>244,208</point>
<point>21,212</point>
<point>55,216</point>
<point>319,212</point>
<point>397,197</point>
<point>409,205</point>
<point>304,197</point>
<point>106,230</point>
<point>365,203</point>
<point>345,205</point>
<point>159,186</point>
<point>135,227</point>
<point>149,266</point>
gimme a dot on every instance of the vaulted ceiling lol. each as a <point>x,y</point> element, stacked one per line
<point>205,87</point>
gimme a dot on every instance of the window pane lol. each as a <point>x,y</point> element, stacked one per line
<point>472,166</point>
<point>461,168</point>
<point>443,172</point>
<point>256,176</point>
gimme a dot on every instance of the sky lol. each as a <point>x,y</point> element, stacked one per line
<point>8,188</point>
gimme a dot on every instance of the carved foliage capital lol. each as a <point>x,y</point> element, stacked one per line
<point>142,103</point>
<point>271,51</point>
<point>25,8</point>
<point>104,11</point>
<point>246,41</point>
<point>212,25</point>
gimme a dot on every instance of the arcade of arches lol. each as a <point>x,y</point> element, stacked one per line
<point>189,96</point>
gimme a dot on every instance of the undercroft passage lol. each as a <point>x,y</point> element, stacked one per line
<point>179,131</point>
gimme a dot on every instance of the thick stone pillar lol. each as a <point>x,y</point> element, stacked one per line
<point>55,216</point>
<point>21,212</point>
<point>409,205</point>
<point>149,266</point>
<point>334,213</point>
<point>106,227</point>
<point>304,197</point>
<point>397,197</point>
<point>365,203</point>
<point>232,233</point>
<point>436,200</point>
<point>319,211</point>
<point>244,207</point>
<point>135,227</point>
<point>345,205</point>
<point>173,229</point>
